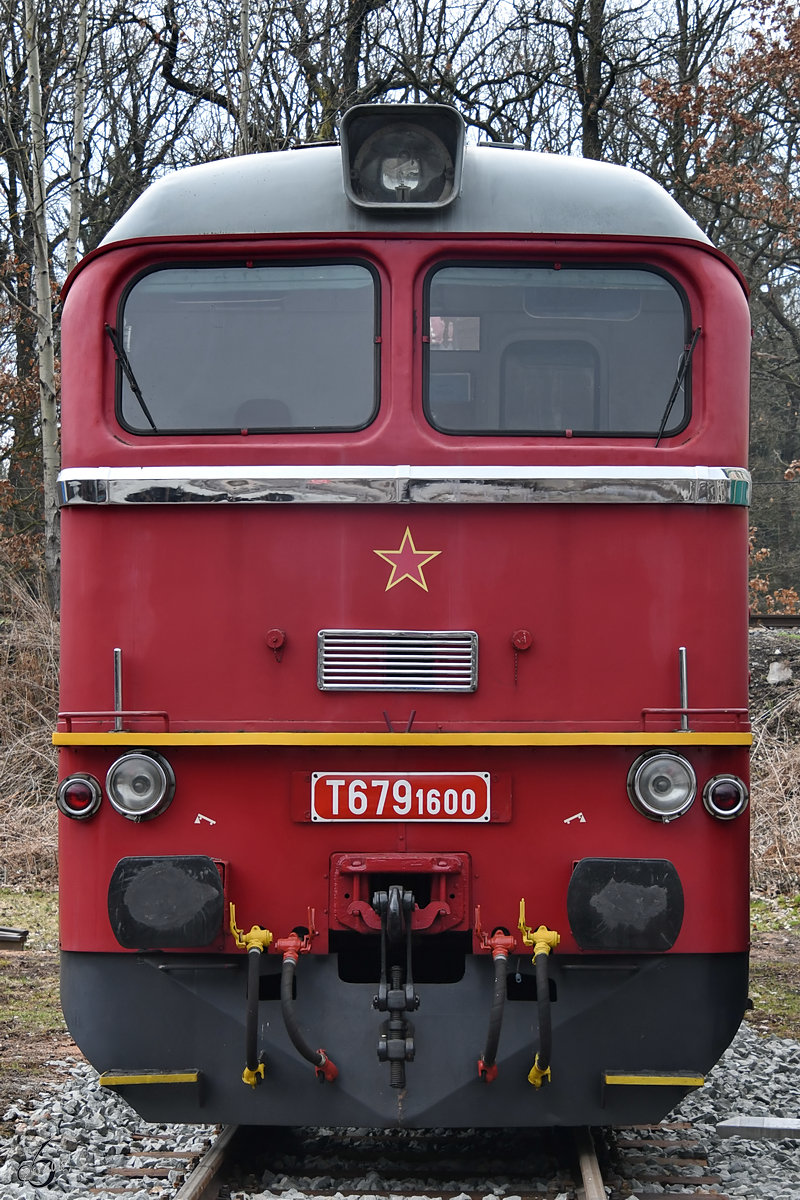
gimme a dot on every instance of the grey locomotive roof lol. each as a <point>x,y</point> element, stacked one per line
<point>503,191</point>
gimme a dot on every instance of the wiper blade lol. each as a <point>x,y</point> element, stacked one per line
<point>683,367</point>
<point>125,363</point>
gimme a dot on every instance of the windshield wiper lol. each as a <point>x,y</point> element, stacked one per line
<point>125,363</point>
<point>683,367</point>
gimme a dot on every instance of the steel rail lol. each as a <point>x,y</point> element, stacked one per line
<point>593,1187</point>
<point>200,1179</point>
<point>774,620</point>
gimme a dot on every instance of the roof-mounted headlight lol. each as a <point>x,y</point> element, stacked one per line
<point>402,155</point>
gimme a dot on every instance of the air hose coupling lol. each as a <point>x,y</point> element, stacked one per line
<point>291,947</point>
<point>538,1075</point>
<point>256,942</point>
<point>501,943</point>
<point>253,1077</point>
<point>257,939</point>
<point>325,1070</point>
<point>543,941</point>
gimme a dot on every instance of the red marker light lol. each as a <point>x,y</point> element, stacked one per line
<point>725,797</point>
<point>79,796</point>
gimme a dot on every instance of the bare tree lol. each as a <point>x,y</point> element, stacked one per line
<point>78,137</point>
<point>48,413</point>
<point>702,94</point>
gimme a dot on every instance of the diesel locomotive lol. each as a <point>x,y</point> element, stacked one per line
<point>403,733</point>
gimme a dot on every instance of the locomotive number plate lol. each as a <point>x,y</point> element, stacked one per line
<point>418,796</point>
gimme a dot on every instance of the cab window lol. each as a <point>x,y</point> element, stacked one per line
<point>249,348</point>
<point>556,350</point>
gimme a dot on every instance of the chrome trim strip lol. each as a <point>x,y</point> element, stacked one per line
<point>404,484</point>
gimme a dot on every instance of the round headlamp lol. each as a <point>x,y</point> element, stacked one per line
<point>79,796</point>
<point>725,797</point>
<point>661,785</point>
<point>402,163</point>
<point>140,785</point>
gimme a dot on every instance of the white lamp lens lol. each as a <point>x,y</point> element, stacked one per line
<point>662,786</point>
<point>140,785</point>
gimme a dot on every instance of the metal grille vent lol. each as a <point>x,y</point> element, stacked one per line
<point>396,660</point>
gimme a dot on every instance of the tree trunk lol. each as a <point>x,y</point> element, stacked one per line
<point>77,152</point>
<point>44,312</point>
<point>243,138</point>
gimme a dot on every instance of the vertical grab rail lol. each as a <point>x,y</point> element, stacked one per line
<point>684,685</point>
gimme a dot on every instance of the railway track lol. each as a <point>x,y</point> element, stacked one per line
<point>774,620</point>
<point>474,1164</point>
<point>253,1163</point>
<point>578,1164</point>
<point>671,1157</point>
<point>166,1173</point>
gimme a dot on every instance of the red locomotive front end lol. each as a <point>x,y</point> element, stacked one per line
<point>404,734</point>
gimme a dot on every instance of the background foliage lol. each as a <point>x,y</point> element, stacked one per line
<point>703,95</point>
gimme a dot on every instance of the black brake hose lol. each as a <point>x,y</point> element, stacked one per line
<point>543,1006</point>
<point>489,1058</point>
<point>315,1057</point>
<point>251,1020</point>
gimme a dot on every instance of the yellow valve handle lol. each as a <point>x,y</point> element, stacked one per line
<point>542,939</point>
<point>257,937</point>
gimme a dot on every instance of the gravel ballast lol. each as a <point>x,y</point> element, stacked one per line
<point>65,1143</point>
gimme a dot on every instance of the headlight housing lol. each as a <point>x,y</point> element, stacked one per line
<point>402,156</point>
<point>140,785</point>
<point>661,785</point>
<point>725,797</point>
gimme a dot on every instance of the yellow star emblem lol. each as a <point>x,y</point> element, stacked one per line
<point>407,562</point>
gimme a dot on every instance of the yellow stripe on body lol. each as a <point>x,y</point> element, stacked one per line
<point>479,738</point>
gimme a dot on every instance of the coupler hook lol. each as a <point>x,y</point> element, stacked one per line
<point>395,996</point>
